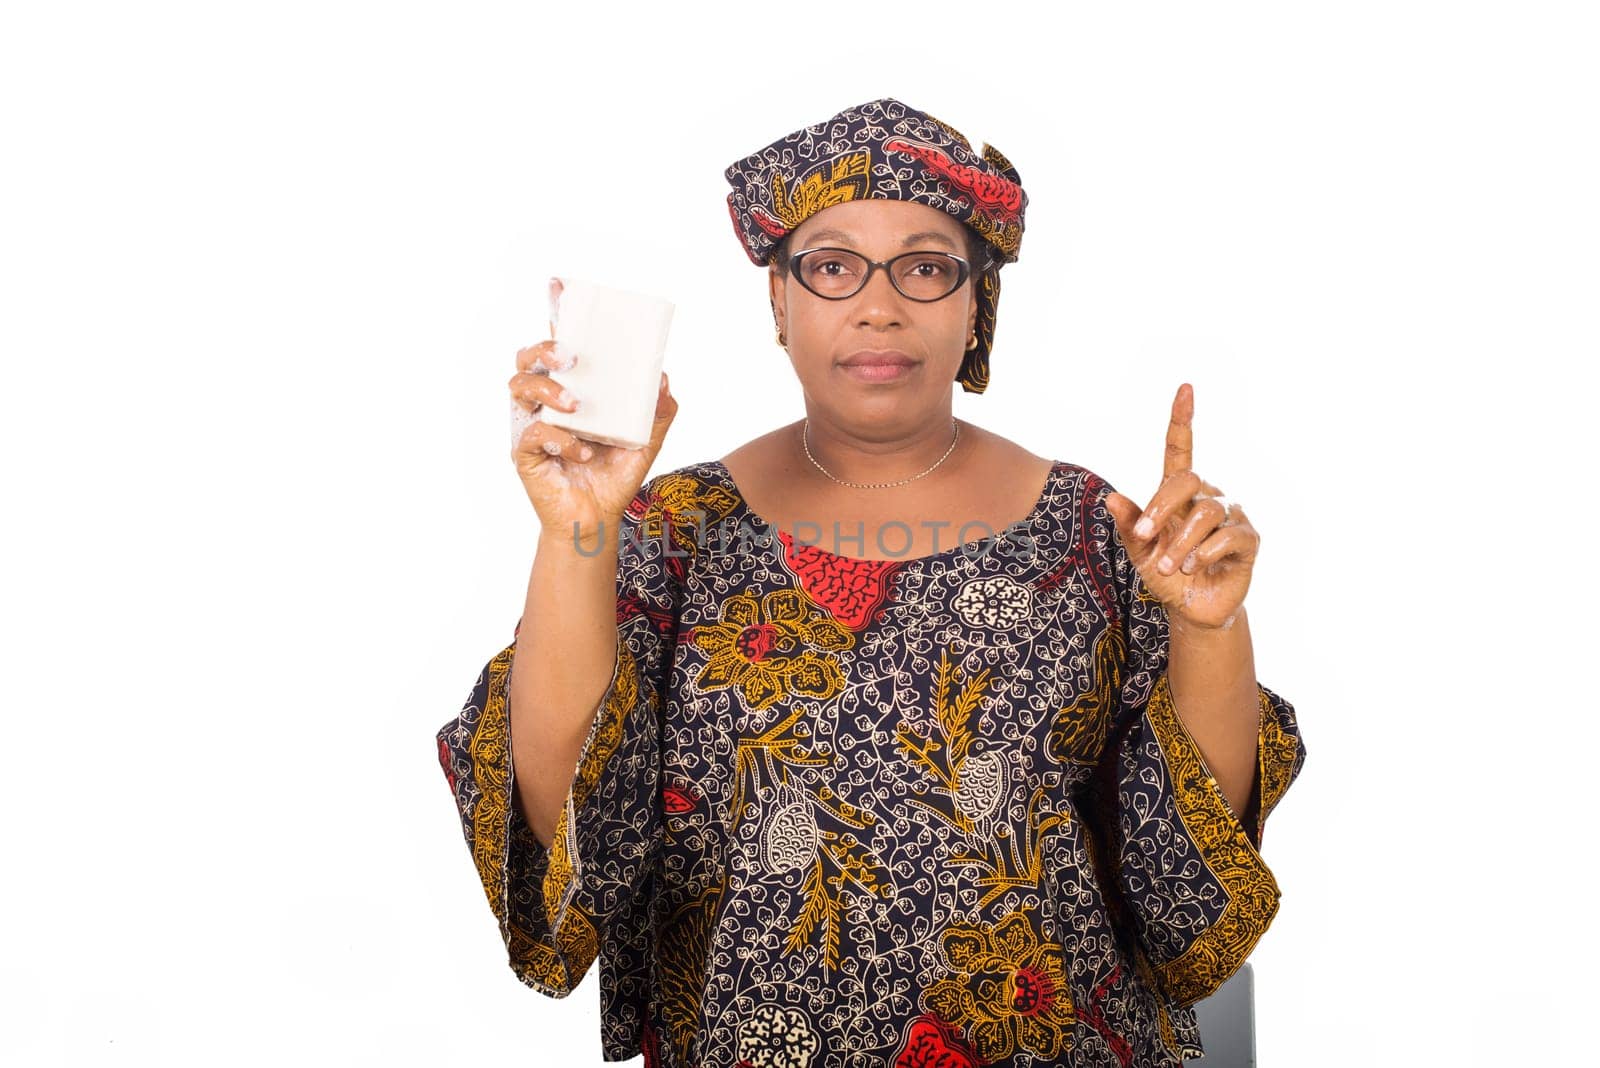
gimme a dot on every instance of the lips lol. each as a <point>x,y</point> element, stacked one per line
<point>879,358</point>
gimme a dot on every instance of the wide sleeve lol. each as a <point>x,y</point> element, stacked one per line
<point>1189,869</point>
<point>553,905</point>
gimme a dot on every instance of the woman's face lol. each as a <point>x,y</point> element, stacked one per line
<point>827,339</point>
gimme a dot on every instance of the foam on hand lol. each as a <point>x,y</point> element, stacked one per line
<point>621,339</point>
<point>521,419</point>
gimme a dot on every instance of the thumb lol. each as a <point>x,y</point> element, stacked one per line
<point>1125,513</point>
<point>666,410</point>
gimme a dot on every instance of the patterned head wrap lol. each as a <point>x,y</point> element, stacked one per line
<point>886,150</point>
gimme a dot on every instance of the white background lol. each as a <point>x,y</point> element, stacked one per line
<point>264,269</point>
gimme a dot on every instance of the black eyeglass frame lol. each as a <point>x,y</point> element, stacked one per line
<point>883,265</point>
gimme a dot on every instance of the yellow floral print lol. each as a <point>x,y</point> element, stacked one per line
<point>849,178</point>
<point>773,646</point>
<point>1011,992</point>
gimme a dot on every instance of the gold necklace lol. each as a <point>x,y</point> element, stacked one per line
<point>804,430</point>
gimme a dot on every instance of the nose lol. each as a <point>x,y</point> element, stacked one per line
<point>880,303</point>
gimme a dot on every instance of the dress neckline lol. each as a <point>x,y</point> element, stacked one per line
<point>979,547</point>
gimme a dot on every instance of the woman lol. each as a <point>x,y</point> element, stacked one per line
<point>906,782</point>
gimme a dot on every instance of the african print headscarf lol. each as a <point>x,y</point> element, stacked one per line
<point>887,150</point>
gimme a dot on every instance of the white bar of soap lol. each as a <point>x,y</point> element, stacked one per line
<point>620,338</point>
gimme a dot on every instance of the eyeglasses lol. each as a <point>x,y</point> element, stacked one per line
<point>837,273</point>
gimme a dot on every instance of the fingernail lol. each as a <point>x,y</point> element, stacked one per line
<point>566,398</point>
<point>555,299</point>
<point>1165,566</point>
<point>552,447</point>
<point>663,381</point>
<point>1144,527</point>
<point>1188,564</point>
<point>565,356</point>
<point>586,454</point>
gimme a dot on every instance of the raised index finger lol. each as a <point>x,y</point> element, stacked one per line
<point>1180,434</point>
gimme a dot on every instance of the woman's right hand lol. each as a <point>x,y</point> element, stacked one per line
<point>577,485</point>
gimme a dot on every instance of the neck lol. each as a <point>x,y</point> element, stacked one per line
<point>858,457</point>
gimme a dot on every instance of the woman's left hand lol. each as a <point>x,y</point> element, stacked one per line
<point>1193,550</point>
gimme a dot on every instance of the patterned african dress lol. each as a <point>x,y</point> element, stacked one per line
<point>934,811</point>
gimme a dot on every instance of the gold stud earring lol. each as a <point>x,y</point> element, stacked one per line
<point>781,341</point>
<point>973,343</point>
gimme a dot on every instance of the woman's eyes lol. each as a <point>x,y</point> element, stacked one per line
<point>929,268</point>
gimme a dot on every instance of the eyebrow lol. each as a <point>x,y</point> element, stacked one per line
<point>911,239</point>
